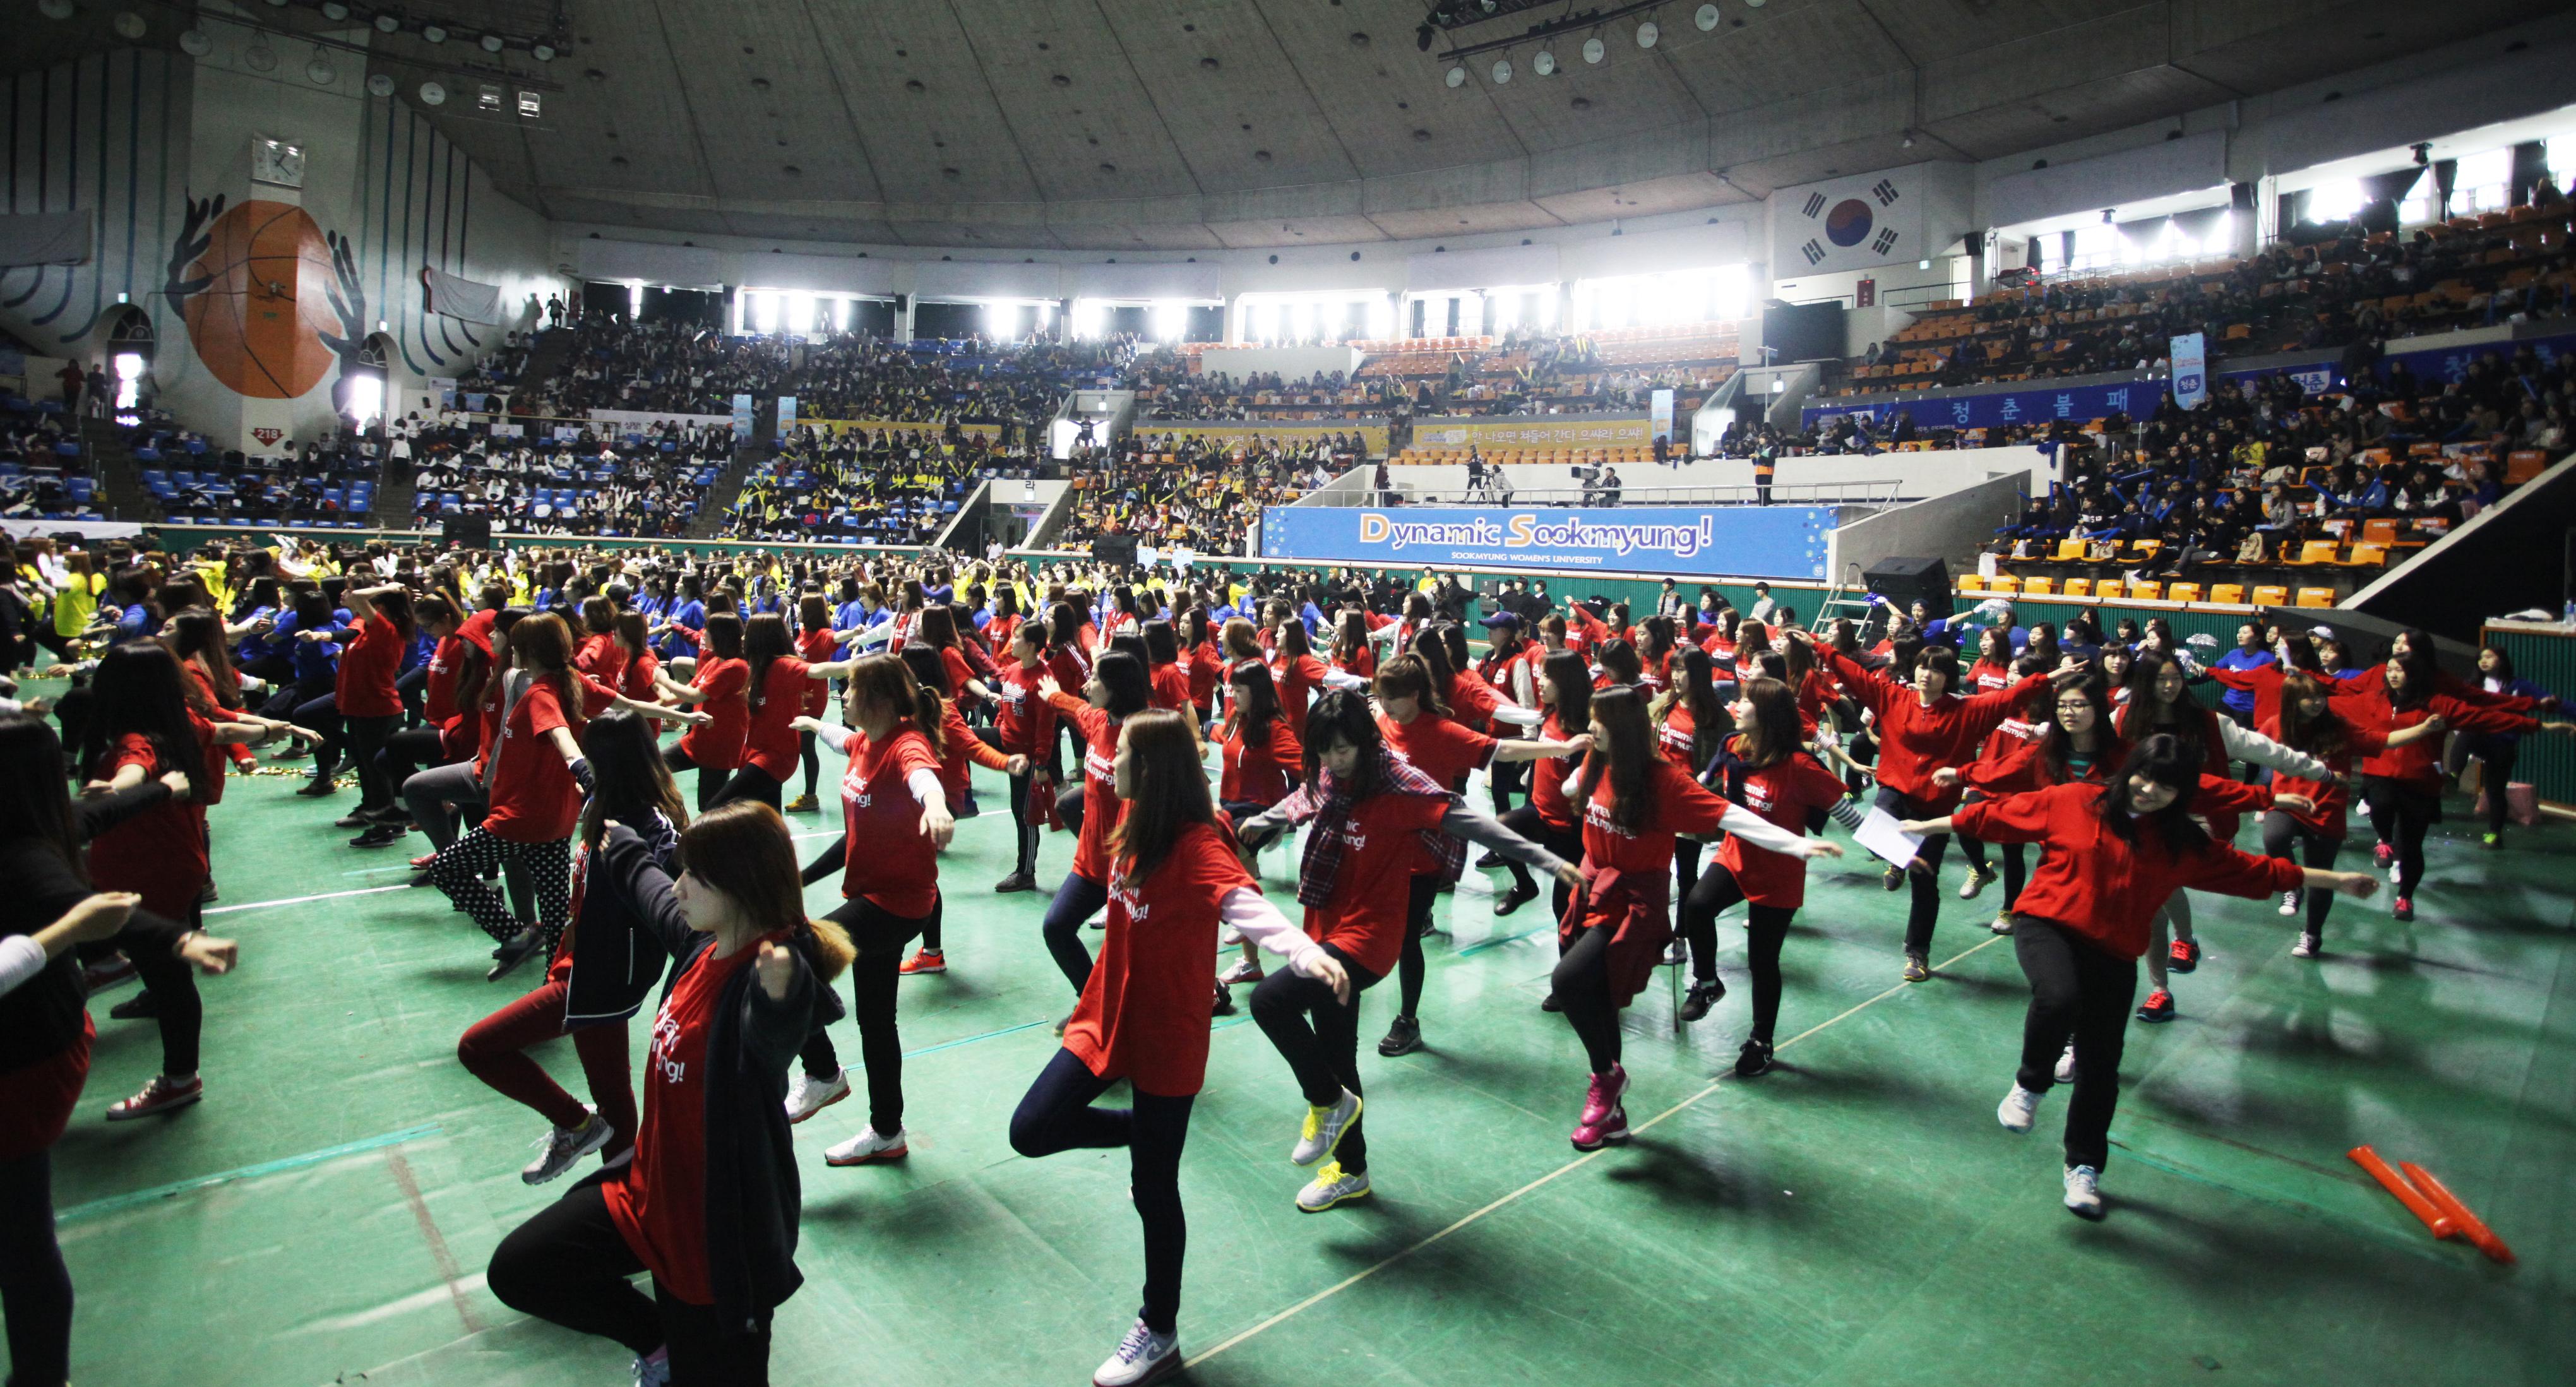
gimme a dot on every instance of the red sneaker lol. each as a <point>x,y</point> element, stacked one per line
<point>2184,956</point>
<point>2382,855</point>
<point>161,1095</point>
<point>2406,907</point>
<point>421,863</point>
<point>2159,1006</point>
<point>924,961</point>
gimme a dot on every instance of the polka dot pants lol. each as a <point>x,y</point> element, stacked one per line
<point>459,872</point>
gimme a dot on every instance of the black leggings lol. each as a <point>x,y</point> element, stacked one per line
<point>750,782</point>
<point>1425,893</point>
<point>1057,1115</point>
<point>2077,988</point>
<point>569,1265</point>
<point>2496,756</point>
<point>1508,778</point>
<point>812,759</point>
<point>880,935</point>
<point>1323,1054</point>
<point>1924,909</point>
<point>178,1009</point>
<point>1076,901</point>
<point>366,738</point>
<point>1582,986</point>
<point>2401,815</point>
<point>1765,927</point>
<point>35,1286</point>
<point>1566,843</point>
<point>711,780</point>
<point>403,755</point>
<point>2016,865</point>
<point>1024,827</point>
<point>2280,831</point>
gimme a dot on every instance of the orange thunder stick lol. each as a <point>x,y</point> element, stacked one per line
<point>2435,1218</point>
<point>2469,1224</point>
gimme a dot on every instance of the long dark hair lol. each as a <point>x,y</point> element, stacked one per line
<point>1162,647</point>
<point>1694,686</point>
<point>1256,701</point>
<point>1130,690</point>
<point>2146,713</point>
<point>724,635</point>
<point>2168,761</point>
<point>199,634</point>
<point>1350,635</point>
<point>764,639</point>
<point>2324,736</point>
<point>1626,746</point>
<point>887,679</point>
<point>1408,675</point>
<point>138,690</point>
<point>743,851</point>
<point>631,780</point>
<point>1343,715</point>
<point>1571,676</point>
<point>1774,738</point>
<point>34,799</point>
<point>1171,791</point>
<point>395,607</point>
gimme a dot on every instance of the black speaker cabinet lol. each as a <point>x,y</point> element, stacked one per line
<point>1906,581</point>
<point>471,531</point>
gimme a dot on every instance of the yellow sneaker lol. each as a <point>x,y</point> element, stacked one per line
<point>1323,1129</point>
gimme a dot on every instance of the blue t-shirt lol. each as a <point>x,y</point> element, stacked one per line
<point>2241,701</point>
<point>676,645</point>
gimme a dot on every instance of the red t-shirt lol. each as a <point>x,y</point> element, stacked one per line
<point>1678,804</point>
<point>1101,807</point>
<point>1297,679</point>
<point>718,745</point>
<point>1915,740</point>
<point>770,746</point>
<point>638,681</point>
<point>1144,1012</point>
<point>601,657</point>
<point>160,853</point>
<point>1675,737</point>
<point>1382,850</point>
<point>660,1203</point>
<point>1170,688</point>
<point>438,688</point>
<point>816,648</point>
<point>962,750</point>
<point>534,797</point>
<point>1205,667</point>
<point>1782,794</point>
<point>2096,884</point>
<point>1362,662</point>
<point>218,758</point>
<point>1258,772</point>
<point>890,862</point>
<point>2332,799</point>
<point>1024,721</point>
<point>365,682</point>
<point>1437,747</point>
<point>1547,777</point>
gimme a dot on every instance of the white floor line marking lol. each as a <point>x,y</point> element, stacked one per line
<point>300,900</point>
<point>1569,1167</point>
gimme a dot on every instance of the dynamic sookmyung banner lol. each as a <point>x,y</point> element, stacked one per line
<point>1747,541</point>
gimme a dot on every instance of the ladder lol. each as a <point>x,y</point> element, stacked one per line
<point>1840,601</point>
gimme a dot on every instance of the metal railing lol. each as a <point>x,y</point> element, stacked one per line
<point>1880,492</point>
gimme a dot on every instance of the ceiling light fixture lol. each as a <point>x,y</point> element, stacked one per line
<point>1706,18</point>
<point>1543,63</point>
<point>1457,77</point>
<point>54,9</point>
<point>129,24</point>
<point>1647,33</point>
<point>378,84</point>
<point>492,43</point>
<point>433,33</point>
<point>1594,50</point>
<point>544,52</point>
<point>259,57</point>
<point>320,71</point>
<point>432,94</point>
<point>334,11</point>
<point>194,43</point>
<point>388,24</point>
<point>1502,71</point>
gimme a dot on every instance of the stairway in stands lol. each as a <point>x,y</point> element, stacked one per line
<point>548,358</point>
<point>120,477</point>
<point>720,497</point>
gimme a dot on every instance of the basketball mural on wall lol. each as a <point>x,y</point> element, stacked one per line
<point>271,301</point>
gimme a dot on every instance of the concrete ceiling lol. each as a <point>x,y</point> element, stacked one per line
<point>1203,124</point>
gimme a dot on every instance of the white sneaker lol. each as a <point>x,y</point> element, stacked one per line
<point>2289,902</point>
<point>2066,1064</point>
<point>1330,1187</point>
<point>654,1371</point>
<point>2083,1191</point>
<point>2019,1109</point>
<point>1244,970</point>
<point>1324,1128</point>
<point>807,1095</point>
<point>868,1147</point>
<point>2003,922</point>
<point>1978,879</point>
<point>1143,1356</point>
<point>558,1149</point>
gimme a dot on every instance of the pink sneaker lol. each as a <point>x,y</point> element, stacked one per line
<point>2382,855</point>
<point>1603,1094</point>
<point>159,1096</point>
<point>1592,1136</point>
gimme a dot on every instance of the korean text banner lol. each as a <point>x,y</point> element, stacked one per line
<point>1746,541</point>
<point>2189,355</point>
<point>2080,403</point>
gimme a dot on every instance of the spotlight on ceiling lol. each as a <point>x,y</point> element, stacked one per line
<point>1594,50</point>
<point>432,94</point>
<point>1647,33</point>
<point>1502,71</point>
<point>388,24</point>
<point>544,52</point>
<point>334,11</point>
<point>54,9</point>
<point>320,72</point>
<point>492,43</point>
<point>130,25</point>
<point>433,33</point>
<point>259,57</point>
<point>1543,63</point>
<point>1457,77</point>
<point>1705,18</point>
<point>194,43</point>
<point>378,84</point>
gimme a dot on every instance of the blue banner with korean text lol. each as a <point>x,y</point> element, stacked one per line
<point>2081,403</point>
<point>1734,541</point>
<point>2189,353</point>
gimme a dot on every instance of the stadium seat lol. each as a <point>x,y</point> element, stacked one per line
<point>2145,591</point>
<point>1971,585</point>
<point>2077,587</point>
<point>2182,592</point>
<point>2038,587</point>
<point>2228,594</point>
<point>2316,597</point>
<point>2312,553</point>
<point>2003,584</point>
<point>2270,595</point>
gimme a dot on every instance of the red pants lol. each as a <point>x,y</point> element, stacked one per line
<point>495,1048</point>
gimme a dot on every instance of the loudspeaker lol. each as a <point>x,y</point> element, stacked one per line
<point>471,531</point>
<point>1907,581</point>
<point>1117,549</point>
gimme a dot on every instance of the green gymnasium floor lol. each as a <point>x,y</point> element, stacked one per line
<point>1854,1217</point>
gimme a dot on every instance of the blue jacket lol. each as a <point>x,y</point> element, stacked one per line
<point>2241,701</point>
